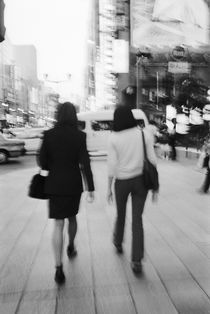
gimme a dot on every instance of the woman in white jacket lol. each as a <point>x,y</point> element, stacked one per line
<point>125,167</point>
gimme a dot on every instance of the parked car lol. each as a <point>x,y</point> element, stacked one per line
<point>31,136</point>
<point>98,126</point>
<point>10,148</point>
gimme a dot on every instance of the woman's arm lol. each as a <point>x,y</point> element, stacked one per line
<point>84,160</point>
<point>112,165</point>
<point>109,189</point>
<point>150,149</point>
<point>42,155</point>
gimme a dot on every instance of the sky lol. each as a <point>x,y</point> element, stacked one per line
<point>57,28</point>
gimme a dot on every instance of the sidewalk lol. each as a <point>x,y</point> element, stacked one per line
<point>176,265</point>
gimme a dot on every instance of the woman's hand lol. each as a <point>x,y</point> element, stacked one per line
<point>154,196</point>
<point>109,190</point>
<point>90,196</point>
<point>109,196</point>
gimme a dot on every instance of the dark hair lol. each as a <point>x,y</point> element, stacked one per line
<point>123,119</point>
<point>66,114</point>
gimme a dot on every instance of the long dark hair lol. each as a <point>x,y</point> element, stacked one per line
<point>66,115</point>
<point>123,119</point>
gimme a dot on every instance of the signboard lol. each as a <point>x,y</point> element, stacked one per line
<point>179,67</point>
<point>178,53</point>
<point>121,56</point>
<point>169,22</point>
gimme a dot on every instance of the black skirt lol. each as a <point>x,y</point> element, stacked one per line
<point>61,207</point>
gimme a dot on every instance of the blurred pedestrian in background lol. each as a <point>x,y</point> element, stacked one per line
<point>172,140</point>
<point>206,165</point>
<point>125,167</point>
<point>163,141</point>
<point>129,97</point>
<point>63,153</point>
<point>153,130</point>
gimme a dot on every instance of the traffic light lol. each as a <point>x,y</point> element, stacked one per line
<point>2,27</point>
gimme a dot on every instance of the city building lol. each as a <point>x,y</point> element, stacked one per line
<point>7,82</point>
<point>136,46</point>
<point>166,50</point>
<point>26,59</point>
<point>101,77</point>
<point>24,100</point>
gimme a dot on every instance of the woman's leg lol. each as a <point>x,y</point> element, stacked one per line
<point>206,183</point>
<point>57,241</point>
<point>72,230</point>
<point>138,196</point>
<point>121,195</point>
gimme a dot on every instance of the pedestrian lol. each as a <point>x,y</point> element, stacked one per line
<point>125,167</point>
<point>153,129</point>
<point>64,153</point>
<point>129,97</point>
<point>163,141</point>
<point>206,164</point>
<point>172,140</point>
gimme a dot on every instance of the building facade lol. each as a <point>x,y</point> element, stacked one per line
<point>24,100</point>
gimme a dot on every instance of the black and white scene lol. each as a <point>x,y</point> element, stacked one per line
<point>105,157</point>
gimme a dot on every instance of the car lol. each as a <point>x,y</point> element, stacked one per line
<point>98,125</point>
<point>10,148</point>
<point>31,136</point>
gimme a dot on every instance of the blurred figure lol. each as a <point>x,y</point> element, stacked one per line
<point>172,140</point>
<point>129,97</point>
<point>206,164</point>
<point>153,130</point>
<point>125,167</point>
<point>163,141</point>
<point>63,152</point>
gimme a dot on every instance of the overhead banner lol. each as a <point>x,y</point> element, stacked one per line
<point>169,22</point>
<point>179,67</point>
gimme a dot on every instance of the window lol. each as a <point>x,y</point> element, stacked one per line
<point>101,125</point>
<point>81,125</point>
<point>141,122</point>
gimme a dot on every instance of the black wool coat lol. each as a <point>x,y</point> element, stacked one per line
<point>63,153</point>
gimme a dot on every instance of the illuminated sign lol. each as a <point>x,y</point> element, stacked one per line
<point>179,67</point>
<point>121,56</point>
<point>178,53</point>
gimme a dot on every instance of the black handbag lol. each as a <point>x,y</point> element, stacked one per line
<point>150,173</point>
<point>36,187</point>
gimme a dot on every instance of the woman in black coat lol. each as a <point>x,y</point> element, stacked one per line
<point>64,154</point>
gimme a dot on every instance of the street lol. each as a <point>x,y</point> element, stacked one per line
<point>176,267</point>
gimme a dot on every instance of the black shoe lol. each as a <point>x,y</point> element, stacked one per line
<point>202,191</point>
<point>119,248</point>
<point>59,275</point>
<point>71,251</point>
<point>136,267</point>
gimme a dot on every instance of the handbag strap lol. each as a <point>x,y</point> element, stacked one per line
<point>144,146</point>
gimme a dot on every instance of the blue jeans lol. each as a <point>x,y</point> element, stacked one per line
<point>136,188</point>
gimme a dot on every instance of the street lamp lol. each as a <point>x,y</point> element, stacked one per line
<point>140,57</point>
